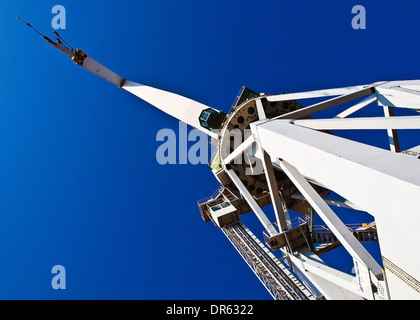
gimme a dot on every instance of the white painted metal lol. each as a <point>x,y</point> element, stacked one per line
<point>301,113</point>
<point>376,180</point>
<point>408,122</point>
<point>260,109</point>
<point>179,107</point>
<point>415,152</point>
<point>223,213</point>
<point>315,93</point>
<point>339,229</point>
<point>334,284</point>
<point>239,150</point>
<point>252,203</point>
<point>363,278</point>
<point>282,215</point>
<point>368,100</point>
<point>394,141</point>
<point>400,94</point>
<point>408,84</point>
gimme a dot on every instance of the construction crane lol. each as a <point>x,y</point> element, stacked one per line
<point>272,151</point>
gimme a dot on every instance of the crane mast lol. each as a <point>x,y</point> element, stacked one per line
<point>272,151</point>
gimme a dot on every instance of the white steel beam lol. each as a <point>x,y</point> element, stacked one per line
<point>343,234</point>
<point>394,141</point>
<point>252,203</point>
<point>407,84</point>
<point>376,180</point>
<point>301,113</point>
<point>315,93</point>
<point>239,150</point>
<point>313,264</point>
<point>369,99</point>
<point>400,97</point>
<point>282,215</point>
<point>374,123</point>
<point>260,109</point>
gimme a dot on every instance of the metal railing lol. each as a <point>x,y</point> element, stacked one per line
<point>277,279</point>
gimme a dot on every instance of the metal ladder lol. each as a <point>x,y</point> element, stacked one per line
<point>277,279</point>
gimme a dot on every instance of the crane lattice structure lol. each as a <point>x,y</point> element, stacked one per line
<point>271,150</point>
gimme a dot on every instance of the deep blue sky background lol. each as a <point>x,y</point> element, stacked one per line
<point>79,182</point>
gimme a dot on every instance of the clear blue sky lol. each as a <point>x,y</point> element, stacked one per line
<point>79,182</point>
